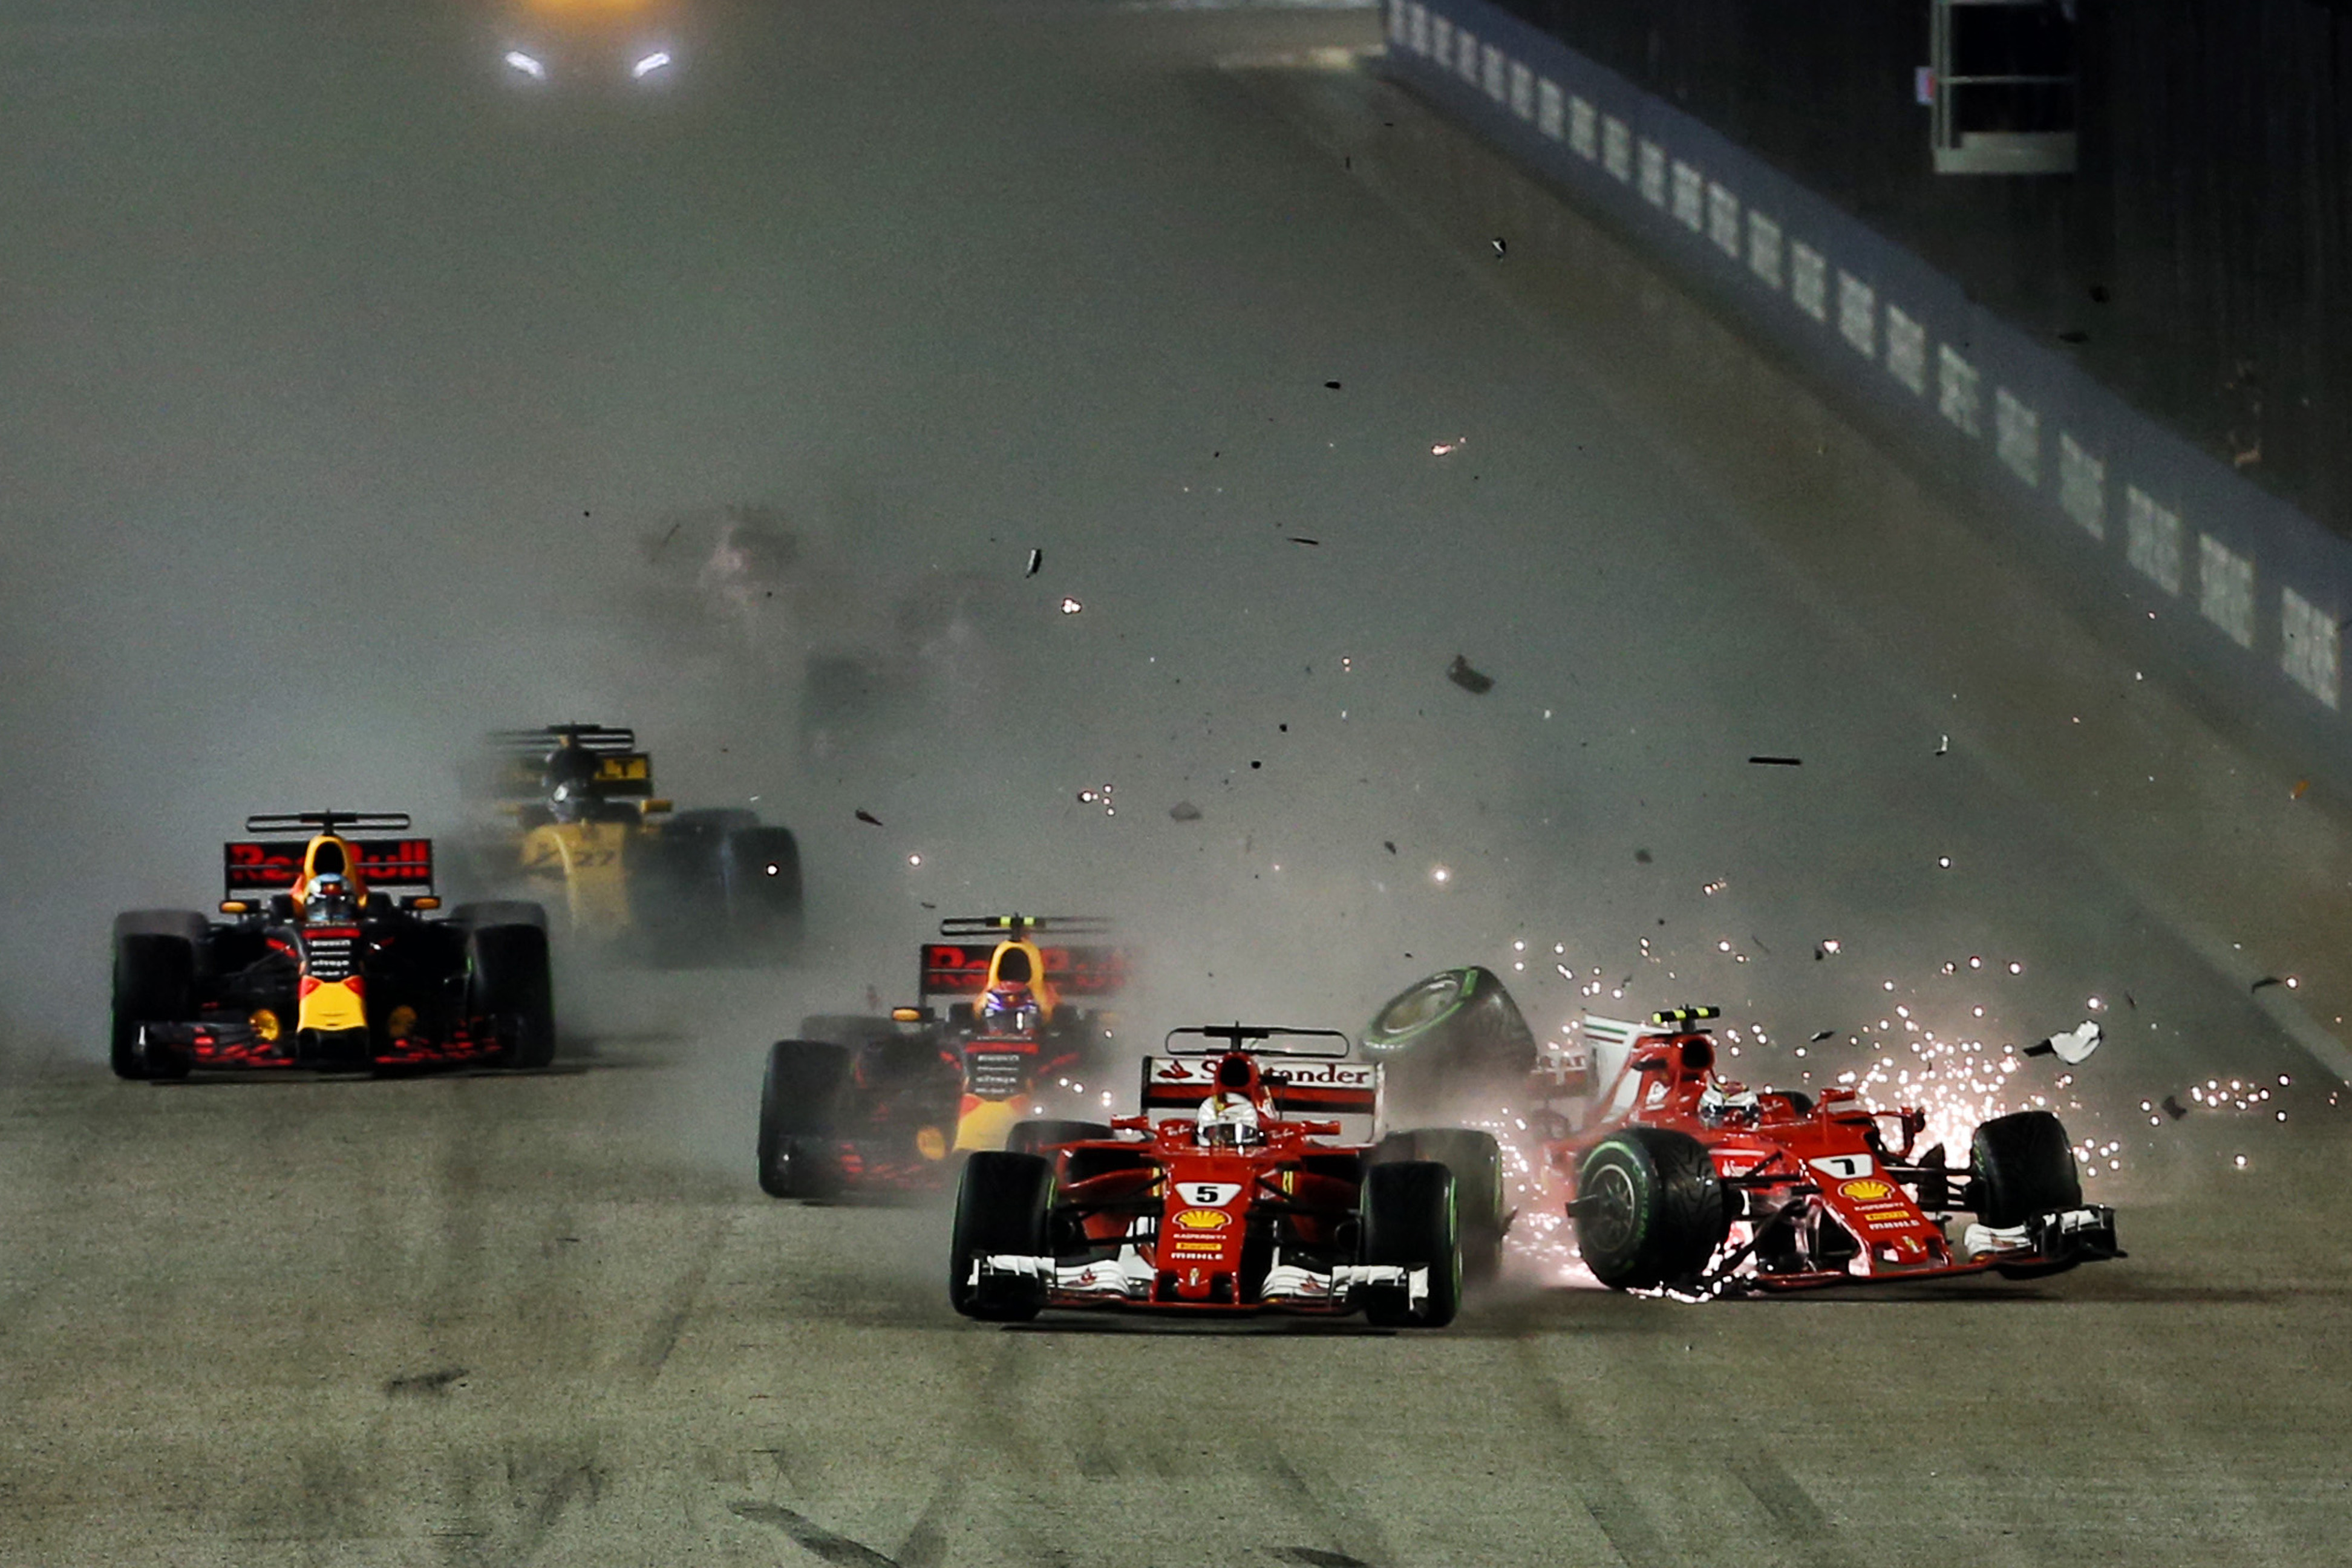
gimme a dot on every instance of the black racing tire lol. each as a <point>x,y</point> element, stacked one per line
<point>1453,1040</point>
<point>759,868</point>
<point>799,1113</point>
<point>154,982</point>
<point>2024,1166</point>
<point>508,983</point>
<point>1002,1204</point>
<point>499,913</point>
<point>1650,1210</point>
<point>1481,1207</point>
<point>1410,1220</point>
<point>1037,1137</point>
<point>851,1029</point>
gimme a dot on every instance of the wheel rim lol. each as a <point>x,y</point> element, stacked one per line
<point>1606,1215</point>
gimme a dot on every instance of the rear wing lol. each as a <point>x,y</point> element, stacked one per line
<point>1348,1092</point>
<point>518,769</point>
<point>1079,971</point>
<point>258,868</point>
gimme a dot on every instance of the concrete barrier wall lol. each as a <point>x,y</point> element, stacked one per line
<point>2215,582</point>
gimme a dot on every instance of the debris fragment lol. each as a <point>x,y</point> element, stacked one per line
<point>1037,558</point>
<point>1777,761</point>
<point>1641,856</point>
<point>2173,1108</point>
<point>1389,845</point>
<point>1184,811</point>
<point>1468,680</point>
<point>1828,947</point>
<point>868,817</point>
<point>1296,539</point>
<point>2300,786</point>
<point>1497,243</point>
<point>1944,745</point>
<point>1822,1035</point>
<point>1447,449</point>
<point>2266,980</point>
<point>2073,1046</point>
<point>1332,384</point>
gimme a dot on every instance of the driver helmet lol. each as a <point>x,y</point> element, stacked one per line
<point>1009,1009</point>
<point>1721,1103</point>
<point>329,899</point>
<point>569,801</point>
<point>1228,1121</point>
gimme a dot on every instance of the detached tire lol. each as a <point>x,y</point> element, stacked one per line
<point>1001,1207</point>
<point>800,1100</point>
<point>1455,1038</point>
<point>2024,1166</point>
<point>507,982</point>
<point>1481,1209</point>
<point>1409,1220</point>
<point>154,982</point>
<point>759,868</point>
<point>1036,1137</point>
<point>1649,1209</point>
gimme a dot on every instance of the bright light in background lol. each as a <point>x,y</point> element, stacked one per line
<point>650,64</point>
<point>526,65</point>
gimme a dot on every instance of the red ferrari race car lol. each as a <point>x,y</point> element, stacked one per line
<point>327,959</point>
<point>1249,1197</point>
<point>1682,1180</point>
<point>1004,1028</point>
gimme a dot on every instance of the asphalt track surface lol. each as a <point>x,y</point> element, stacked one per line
<point>364,407</point>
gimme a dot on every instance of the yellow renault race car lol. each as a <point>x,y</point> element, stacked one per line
<point>586,833</point>
<point>330,955</point>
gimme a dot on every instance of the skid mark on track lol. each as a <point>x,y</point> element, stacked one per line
<point>1329,1513</point>
<point>1605,1496</point>
<point>671,1325</point>
<point>1809,1532</point>
<point>926,1545</point>
<point>1313,1557</point>
<point>822,1544</point>
<point>424,1383</point>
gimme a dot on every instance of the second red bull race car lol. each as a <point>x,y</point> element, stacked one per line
<point>1238,1188</point>
<point>332,955</point>
<point>1004,1027</point>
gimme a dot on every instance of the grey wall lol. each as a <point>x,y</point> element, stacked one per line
<point>2202,252</point>
<point>2237,594</point>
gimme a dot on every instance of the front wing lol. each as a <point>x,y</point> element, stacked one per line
<point>1131,1280</point>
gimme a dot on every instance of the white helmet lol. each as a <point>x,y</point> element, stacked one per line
<point>1228,1120</point>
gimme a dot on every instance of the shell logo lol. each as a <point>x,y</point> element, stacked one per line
<point>1867,1192</point>
<point>1203,1219</point>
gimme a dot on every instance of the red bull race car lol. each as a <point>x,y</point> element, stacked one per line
<point>1679,1179</point>
<point>1006,1026</point>
<point>331,957</point>
<point>1239,1188</point>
